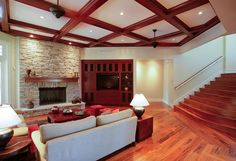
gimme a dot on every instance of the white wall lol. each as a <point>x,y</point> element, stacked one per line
<point>230,53</point>
<point>190,62</point>
<point>130,53</point>
<point>149,79</point>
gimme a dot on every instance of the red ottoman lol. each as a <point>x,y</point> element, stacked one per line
<point>108,110</point>
<point>94,110</point>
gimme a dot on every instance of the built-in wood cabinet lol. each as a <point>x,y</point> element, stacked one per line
<point>107,82</point>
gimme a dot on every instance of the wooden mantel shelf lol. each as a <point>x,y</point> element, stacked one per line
<point>51,79</point>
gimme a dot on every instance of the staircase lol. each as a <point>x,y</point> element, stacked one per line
<point>214,106</point>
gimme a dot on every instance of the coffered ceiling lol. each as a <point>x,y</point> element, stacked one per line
<point>105,23</point>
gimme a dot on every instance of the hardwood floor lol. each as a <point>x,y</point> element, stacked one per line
<point>172,140</point>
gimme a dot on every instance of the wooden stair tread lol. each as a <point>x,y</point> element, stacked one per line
<point>226,130</point>
<point>210,134</point>
<point>214,117</point>
<point>213,102</point>
<point>212,109</point>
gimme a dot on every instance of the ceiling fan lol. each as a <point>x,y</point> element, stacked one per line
<point>154,43</point>
<point>57,10</point>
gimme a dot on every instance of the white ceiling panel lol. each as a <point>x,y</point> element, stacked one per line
<point>162,27</point>
<point>25,13</point>
<point>193,18</point>
<point>87,30</point>
<point>74,5</point>
<point>74,40</point>
<point>171,3</point>
<point>174,39</point>
<point>132,12</point>
<point>123,39</point>
<point>30,31</point>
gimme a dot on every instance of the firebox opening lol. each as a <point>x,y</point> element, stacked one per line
<point>52,95</point>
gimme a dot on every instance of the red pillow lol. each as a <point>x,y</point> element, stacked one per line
<point>115,110</point>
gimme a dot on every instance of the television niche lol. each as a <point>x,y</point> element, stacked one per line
<point>107,81</point>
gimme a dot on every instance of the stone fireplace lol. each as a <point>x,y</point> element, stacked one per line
<point>50,60</point>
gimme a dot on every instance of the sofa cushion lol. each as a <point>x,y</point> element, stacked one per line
<point>109,118</point>
<point>50,131</point>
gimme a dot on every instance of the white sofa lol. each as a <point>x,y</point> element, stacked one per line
<point>88,139</point>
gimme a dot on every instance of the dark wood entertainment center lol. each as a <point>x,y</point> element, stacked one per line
<point>107,82</point>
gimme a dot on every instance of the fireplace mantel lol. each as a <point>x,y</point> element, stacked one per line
<point>51,79</point>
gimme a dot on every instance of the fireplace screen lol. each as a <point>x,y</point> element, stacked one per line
<point>52,95</point>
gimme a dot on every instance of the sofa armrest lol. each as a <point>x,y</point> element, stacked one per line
<point>41,148</point>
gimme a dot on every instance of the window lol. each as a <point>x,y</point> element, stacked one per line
<point>1,59</point>
<point>3,74</point>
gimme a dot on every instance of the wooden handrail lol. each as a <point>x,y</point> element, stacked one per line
<point>197,73</point>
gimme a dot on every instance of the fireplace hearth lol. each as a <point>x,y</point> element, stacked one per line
<point>52,95</point>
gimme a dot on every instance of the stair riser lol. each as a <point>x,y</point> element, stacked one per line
<point>228,75</point>
<point>219,112</point>
<point>221,87</point>
<point>224,83</point>
<point>212,118</point>
<point>219,92</point>
<point>214,97</point>
<point>230,79</point>
<point>212,102</point>
<point>225,130</point>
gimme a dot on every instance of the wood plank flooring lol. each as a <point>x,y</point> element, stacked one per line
<point>172,140</point>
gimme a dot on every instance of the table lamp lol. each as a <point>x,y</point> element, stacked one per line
<point>139,102</point>
<point>8,118</point>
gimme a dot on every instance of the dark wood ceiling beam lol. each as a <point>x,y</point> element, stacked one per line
<point>73,43</point>
<point>83,38</point>
<point>40,37</point>
<point>104,25</point>
<point>25,34</point>
<point>44,5</point>
<point>143,23</point>
<point>188,5</point>
<point>136,36</point>
<point>158,9</point>
<point>31,26</point>
<point>115,29</point>
<point>4,4</point>
<point>105,38</point>
<point>214,21</point>
<point>88,9</point>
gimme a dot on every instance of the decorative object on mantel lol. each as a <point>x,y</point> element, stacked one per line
<point>30,104</point>
<point>28,71</point>
<point>8,118</point>
<point>76,100</point>
<point>51,79</point>
<point>139,102</point>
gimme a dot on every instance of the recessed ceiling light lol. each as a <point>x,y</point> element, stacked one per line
<point>41,17</point>
<point>70,43</point>
<point>121,13</point>
<point>31,36</point>
<point>200,13</point>
<point>90,30</point>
